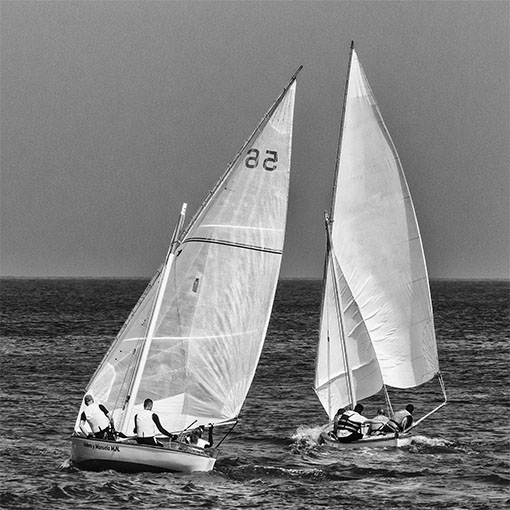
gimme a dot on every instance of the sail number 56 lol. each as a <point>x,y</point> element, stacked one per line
<point>269,163</point>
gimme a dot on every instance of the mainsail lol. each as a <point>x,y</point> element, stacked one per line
<point>375,266</point>
<point>193,341</point>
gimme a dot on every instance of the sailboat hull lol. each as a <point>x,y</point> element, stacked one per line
<point>100,455</point>
<point>387,441</point>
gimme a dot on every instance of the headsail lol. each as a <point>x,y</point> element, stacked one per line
<point>216,303</point>
<point>376,241</point>
<point>347,367</point>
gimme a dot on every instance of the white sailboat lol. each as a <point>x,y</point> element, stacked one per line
<point>193,341</point>
<point>377,326</point>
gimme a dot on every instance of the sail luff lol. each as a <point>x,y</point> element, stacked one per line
<point>113,345</point>
<point>231,165</point>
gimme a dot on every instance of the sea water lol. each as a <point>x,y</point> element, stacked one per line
<point>54,333</point>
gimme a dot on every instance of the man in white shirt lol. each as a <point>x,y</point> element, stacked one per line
<point>146,425</point>
<point>97,417</point>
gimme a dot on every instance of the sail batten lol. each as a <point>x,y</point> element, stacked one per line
<point>246,227</point>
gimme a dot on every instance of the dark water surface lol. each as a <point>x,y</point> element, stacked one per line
<point>54,333</point>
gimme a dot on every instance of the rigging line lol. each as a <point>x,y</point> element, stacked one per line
<point>324,316</point>
<point>136,355</point>
<point>176,294</point>
<point>388,401</point>
<point>228,432</point>
<point>130,372</point>
<point>330,407</point>
<point>127,322</point>
<point>441,383</point>
<point>209,240</point>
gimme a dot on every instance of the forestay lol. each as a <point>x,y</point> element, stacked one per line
<point>216,305</point>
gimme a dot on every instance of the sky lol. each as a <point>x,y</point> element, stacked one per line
<point>114,113</point>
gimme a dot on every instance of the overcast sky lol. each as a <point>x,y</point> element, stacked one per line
<point>115,112</point>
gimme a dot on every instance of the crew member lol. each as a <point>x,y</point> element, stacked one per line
<point>351,421</point>
<point>146,423</point>
<point>97,417</point>
<point>401,420</point>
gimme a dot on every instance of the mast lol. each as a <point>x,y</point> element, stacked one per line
<point>341,322</point>
<point>329,222</point>
<point>329,218</point>
<point>154,316</point>
<point>340,136</point>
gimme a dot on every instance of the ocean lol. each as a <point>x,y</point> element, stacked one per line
<point>54,333</point>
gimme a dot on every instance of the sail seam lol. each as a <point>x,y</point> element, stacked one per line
<point>226,335</point>
<point>232,244</point>
<point>245,227</point>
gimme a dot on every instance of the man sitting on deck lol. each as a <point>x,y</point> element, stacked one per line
<point>377,423</point>
<point>97,417</point>
<point>352,422</point>
<point>195,438</point>
<point>145,426</point>
<point>401,420</point>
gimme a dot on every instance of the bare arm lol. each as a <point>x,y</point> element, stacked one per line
<point>106,413</point>
<point>155,419</point>
<point>210,438</point>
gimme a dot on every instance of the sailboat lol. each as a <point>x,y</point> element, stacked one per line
<point>192,342</point>
<point>377,325</point>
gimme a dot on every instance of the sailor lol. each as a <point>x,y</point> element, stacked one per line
<point>401,420</point>
<point>97,417</point>
<point>336,418</point>
<point>351,421</point>
<point>146,423</point>
<point>195,438</point>
<point>377,423</point>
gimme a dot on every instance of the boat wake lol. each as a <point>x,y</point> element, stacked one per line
<point>425,444</point>
<point>305,435</point>
<point>66,465</point>
<point>431,441</point>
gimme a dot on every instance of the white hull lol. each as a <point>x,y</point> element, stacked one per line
<point>99,455</point>
<point>387,441</point>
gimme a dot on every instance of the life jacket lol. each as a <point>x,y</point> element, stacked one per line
<point>380,421</point>
<point>201,443</point>
<point>145,426</point>
<point>96,418</point>
<point>351,421</point>
<point>401,419</point>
